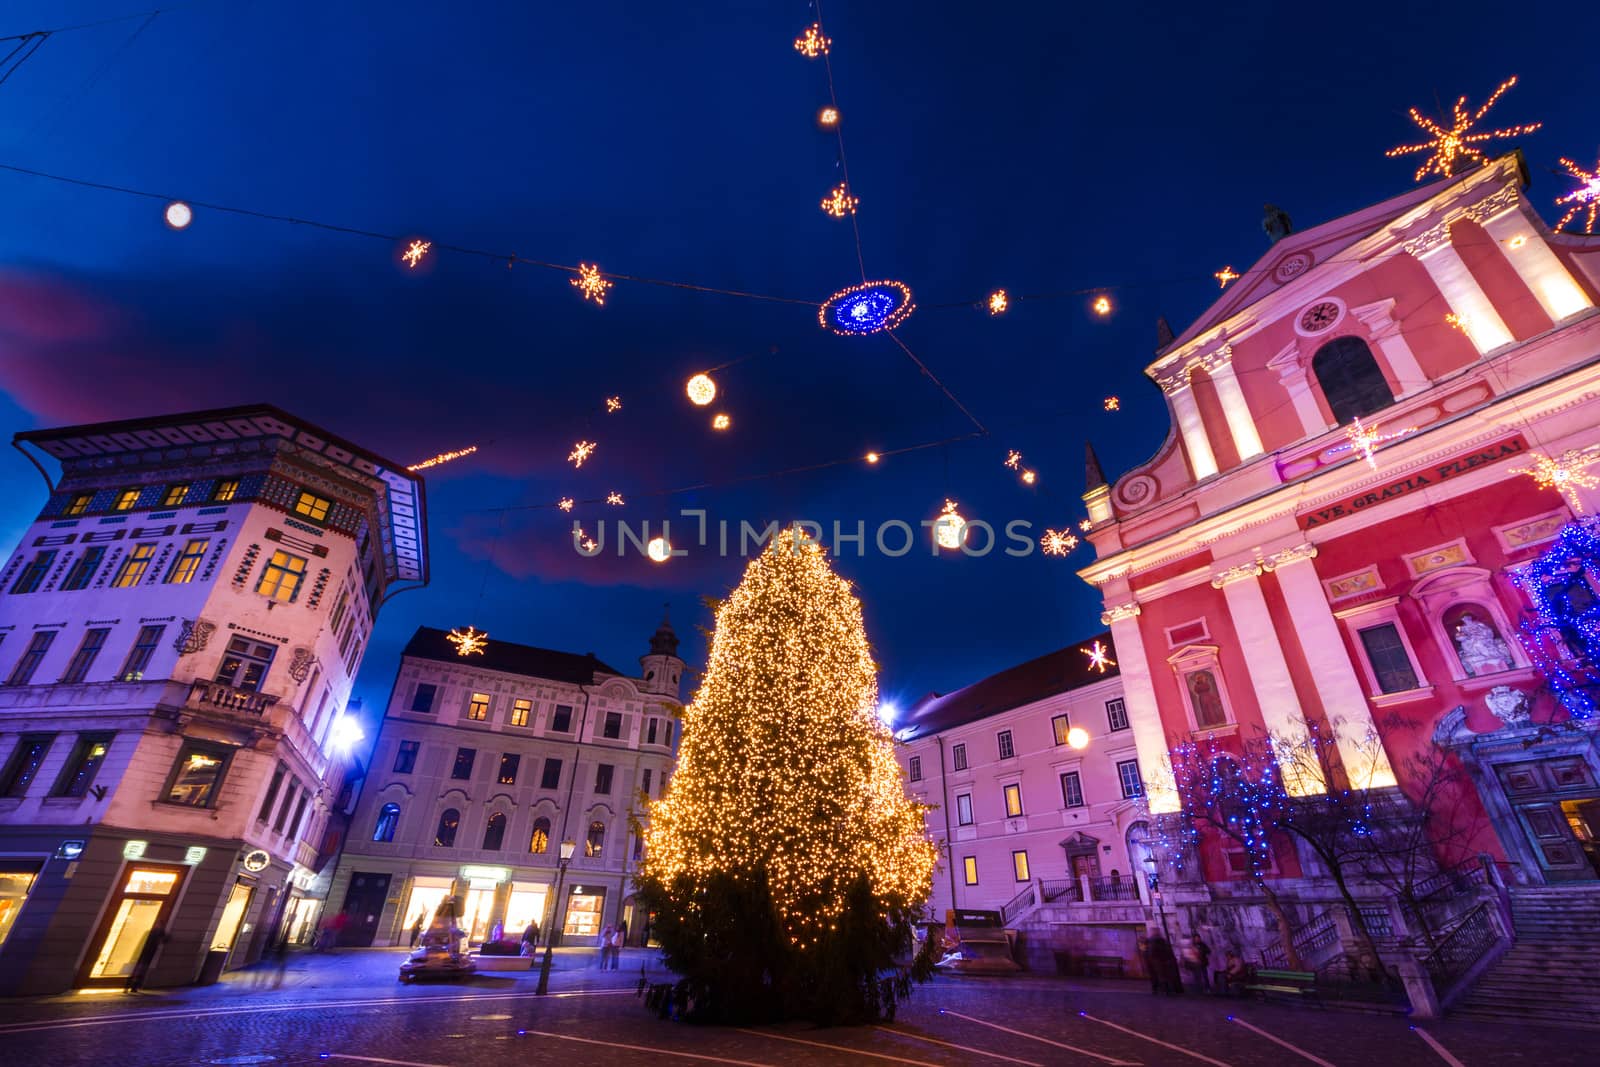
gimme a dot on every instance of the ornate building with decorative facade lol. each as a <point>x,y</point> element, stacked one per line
<point>179,631</point>
<point>484,765</point>
<point>1338,535</point>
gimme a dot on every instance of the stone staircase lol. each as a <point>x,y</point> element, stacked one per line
<point>1551,974</point>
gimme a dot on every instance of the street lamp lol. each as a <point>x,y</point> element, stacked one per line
<point>1155,892</point>
<point>567,849</point>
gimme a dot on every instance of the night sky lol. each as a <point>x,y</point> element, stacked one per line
<point>1045,148</point>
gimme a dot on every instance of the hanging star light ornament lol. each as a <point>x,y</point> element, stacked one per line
<point>839,202</point>
<point>413,255</point>
<point>1447,147</point>
<point>1057,542</point>
<point>1013,459</point>
<point>1225,275</point>
<point>580,452</point>
<point>1565,474</point>
<point>590,283</point>
<point>811,43</point>
<point>614,499</point>
<point>1364,439</point>
<point>1585,198</point>
<point>613,403</point>
<point>468,642</point>
<point>949,529</point>
<point>565,503</point>
<point>998,302</point>
<point>1085,525</point>
<point>1099,657</point>
<point>1112,404</point>
<point>866,308</point>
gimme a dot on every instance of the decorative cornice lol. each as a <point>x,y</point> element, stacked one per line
<point>1130,610</point>
<point>1294,554</point>
<point>1252,569</point>
<point>1429,240</point>
<point>1213,360</point>
<point>1495,204</point>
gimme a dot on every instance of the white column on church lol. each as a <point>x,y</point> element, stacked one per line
<point>1295,381</point>
<point>1344,700</point>
<point>1541,269</point>
<point>1202,464</point>
<point>1482,323</point>
<point>1240,425</point>
<point>1281,712</point>
<point>1144,714</point>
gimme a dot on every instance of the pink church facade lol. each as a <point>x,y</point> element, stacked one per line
<point>1262,574</point>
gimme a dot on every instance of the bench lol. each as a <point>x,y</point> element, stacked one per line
<point>1274,983</point>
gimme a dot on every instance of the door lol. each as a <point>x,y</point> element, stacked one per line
<point>143,906</point>
<point>233,914</point>
<point>1086,863</point>
<point>363,907</point>
<point>1554,842</point>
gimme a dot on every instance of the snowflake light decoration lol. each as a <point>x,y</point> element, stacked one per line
<point>565,503</point>
<point>442,458</point>
<point>1447,146</point>
<point>998,302</point>
<point>866,308</point>
<point>949,529</point>
<point>468,642</point>
<point>582,541</point>
<point>1566,474</point>
<point>1364,439</point>
<point>1099,657</point>
<point>1585,198</point>
<point>811,43</point>
<point>614,499</point>
<point>1225,275</point>
<point>1102,305</point>
<point>1057,542</point>
<point>413,255</point>
<point>1458,322</point>
<point>613,403</point>
<point>839,202</point>
<point>1013,459</point>
<point>1112,403</point>
<point>580,452</point>
<point>590,283</point>
<point>1085,525</point>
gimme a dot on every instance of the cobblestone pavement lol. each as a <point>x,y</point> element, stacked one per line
<point>347,1009</point>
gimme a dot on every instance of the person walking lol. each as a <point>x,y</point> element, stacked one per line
<point>1197,961</point>
<point>147,955</point>
<point>530,937</point>
<point>621,941</point>
<point>416,930</point>
<point>1166,965</point>
<point>607,937</point>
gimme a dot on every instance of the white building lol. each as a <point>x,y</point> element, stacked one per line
<point>179,630</point>
<point>484,765</point>
<point>1035,800</point>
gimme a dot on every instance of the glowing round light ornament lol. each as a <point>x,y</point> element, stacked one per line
<point>701,389</point>
<point>1078,737</point>
<point>720,421</point>
<point>866,308</point>
<point>873,457</point>
<point>1102,305</point>
<point>950,529</point>
<point>659,549</point>
<point>828,117</point>
<point>179,214</point>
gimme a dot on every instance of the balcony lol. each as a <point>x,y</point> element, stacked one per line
<point>218,699</point>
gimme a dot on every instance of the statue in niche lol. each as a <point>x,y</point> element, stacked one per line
<point>1479,647</point>
<point>1207,700</point>
<point>1509,705</point>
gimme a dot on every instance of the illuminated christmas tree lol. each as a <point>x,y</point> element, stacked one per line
<point>786,862</point>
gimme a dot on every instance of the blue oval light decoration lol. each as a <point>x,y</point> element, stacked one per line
<point>866,308</point>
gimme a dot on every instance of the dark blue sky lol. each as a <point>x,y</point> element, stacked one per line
<point>1039,147</point>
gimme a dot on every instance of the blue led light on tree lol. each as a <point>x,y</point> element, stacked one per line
<point>866,308</point>
<point>1563,637</point>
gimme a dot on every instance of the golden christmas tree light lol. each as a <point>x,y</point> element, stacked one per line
<point>413,255</point>
<point>701,390</point>
<point>1446,146</point>
<point>1099,657</point>
<point>565,503</point>
<point>580,452</point>
<point>998,302</point>
<point>1102,305</point>
<point>613,403</point>
<point>590,283</point>
<point>1224,276</point>
<point>811,43</point>
<point>1585,198</point>
<point>808,806</point>
<point>840,203</point>
<point>1566,474</point>
<point>442,458</point>
<point>614,499</point>
<point>469,641</point>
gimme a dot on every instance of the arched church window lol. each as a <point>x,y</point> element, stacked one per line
<point>540,841</point>
<point>596,839</point>
<point>494,832</point>
<point>1478,643</point>
<point>1351,380</point>
<point>449,823</point>
<point>388,822</point>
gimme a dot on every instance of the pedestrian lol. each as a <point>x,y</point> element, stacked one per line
<point>1149,961</point>
<point>530,937</point>
<point>1166,965</point>
<point>606,936</point>
<point>274,963</point>
<point>1234,974</point>
<point>416,930</point>
<point>621,941</point>
<point>147,955</point>
<point>1197,960</point>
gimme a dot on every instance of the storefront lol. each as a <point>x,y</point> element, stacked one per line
<point>233,913</point>
<point>427,893</point>
<point>144,902</point>
<point>526,904</point>
<point>16,880</point>
<point>586,908</point>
